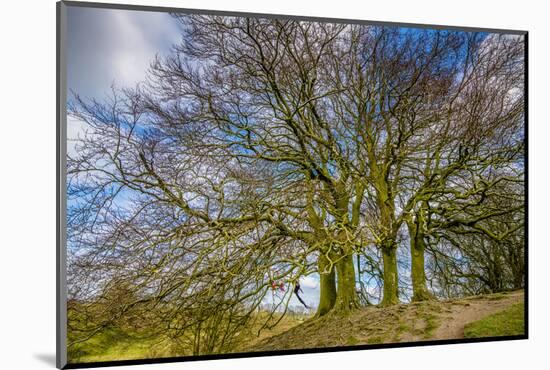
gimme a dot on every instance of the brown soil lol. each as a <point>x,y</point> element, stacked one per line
<point>412,322</point>
<point>472,309</point>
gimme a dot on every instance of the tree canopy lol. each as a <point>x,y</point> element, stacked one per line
<point>265,150</point>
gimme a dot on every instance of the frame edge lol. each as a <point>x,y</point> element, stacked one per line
<point>61,150</point>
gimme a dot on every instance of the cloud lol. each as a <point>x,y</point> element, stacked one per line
<point>311,292</point>
<point>309,282</point>
<point>110,46</point>
<point>75,130</point>
<point>106,46</point>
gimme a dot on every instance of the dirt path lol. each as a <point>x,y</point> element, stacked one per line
<point>462,312</point>
<point>432,320</point>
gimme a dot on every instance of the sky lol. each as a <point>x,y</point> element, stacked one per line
<point>108,46</point>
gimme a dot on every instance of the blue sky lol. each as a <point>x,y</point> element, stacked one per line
<point>108,46</point>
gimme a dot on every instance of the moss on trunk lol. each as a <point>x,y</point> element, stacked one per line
<point>327,276</point>
<point>390,293</point>
<point>418,272</point>
<point>346,297</point>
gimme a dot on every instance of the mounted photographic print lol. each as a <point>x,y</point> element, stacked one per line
<point>234,185</point>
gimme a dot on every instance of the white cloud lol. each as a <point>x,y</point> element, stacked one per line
<point>75,130</point>
<point>107,46</point>
<point>309,282</point>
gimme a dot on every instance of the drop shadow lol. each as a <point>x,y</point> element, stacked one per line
<point>46,358</point>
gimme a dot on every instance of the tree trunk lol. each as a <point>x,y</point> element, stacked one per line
<point>418,272</point>
<point>346,297</point>
<point>389,256</point>
<point>327,279</point>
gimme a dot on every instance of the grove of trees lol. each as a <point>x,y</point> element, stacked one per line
<point>387,160</point>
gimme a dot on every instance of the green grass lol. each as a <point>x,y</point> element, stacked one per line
<point>505,323</point>
<point>400,330</point>
<point>432,323</point>
<point>375,340</point>
<point>352,341</point>
<point>113,344</point>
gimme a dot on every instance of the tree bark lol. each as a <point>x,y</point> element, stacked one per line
<point>418,271</point>
<point>390,293</point>
<point>346,297</point>
<point>327,277</point>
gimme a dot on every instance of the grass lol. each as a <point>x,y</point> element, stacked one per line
<point>366,326</point>
<point>113,344</point>
<point>431,320</point>
<point>375,340</point>
<point>431,324</point>
<point>427,312</point>
<point>401,328</point>
<point>287,323</point>
<point>352,341</point>
<point>505,323</point>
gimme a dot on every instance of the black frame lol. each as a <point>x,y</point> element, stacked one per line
<point>61,151</point>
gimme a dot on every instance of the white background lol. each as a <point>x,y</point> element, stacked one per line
<point>27,182</point>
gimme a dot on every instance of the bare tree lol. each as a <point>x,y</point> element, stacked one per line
<point>263,150</point>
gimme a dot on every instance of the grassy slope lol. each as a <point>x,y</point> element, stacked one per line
<point>505,323</point>
<point>480,316</point>
<point>400,323</point>
<point>113,344</point>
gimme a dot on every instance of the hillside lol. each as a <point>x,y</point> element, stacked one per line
<point>486,315</point>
